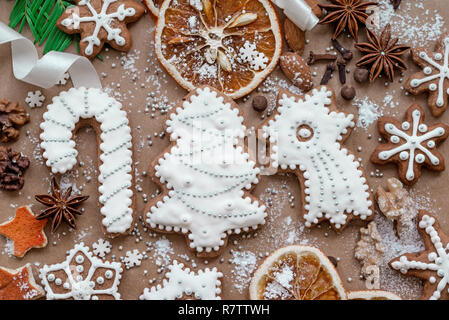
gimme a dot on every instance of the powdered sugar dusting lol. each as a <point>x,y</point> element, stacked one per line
<point>368,112</point>
<point>414,24</point>
<point>410,241</point>
<point>245,263</point>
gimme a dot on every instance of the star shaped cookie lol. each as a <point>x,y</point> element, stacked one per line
<point>430,265</point>
<point>19,284</point>
<point>434,77</point>
<point>25,230</point>
<point>100,21</point>
<point>411,144</point>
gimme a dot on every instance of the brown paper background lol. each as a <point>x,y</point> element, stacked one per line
<point>431,186</point>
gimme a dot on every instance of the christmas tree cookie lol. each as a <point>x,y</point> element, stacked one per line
<point>205,176</point>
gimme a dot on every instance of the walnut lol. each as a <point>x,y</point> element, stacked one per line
<point>12,116</point>
<point>369,252</point>
<point>12,166</point>
<point>397,205</point>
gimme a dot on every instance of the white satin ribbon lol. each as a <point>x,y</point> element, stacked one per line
<point>47,71</point>
<point>299,12</point>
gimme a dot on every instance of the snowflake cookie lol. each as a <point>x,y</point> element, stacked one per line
<point>65,77</point>
<point>93,107</point>
<point>410,144</point>
<point>434,77</point>
<point>81,277</point>
<point>101,21</point>
<point>132,258</point>
<point>35,99</point>
<point>183,283</point>
<point>430,265</point>
<point>101,248</point>
<point>249,54</point>
<point>203,175</point>
<point>306,135</point>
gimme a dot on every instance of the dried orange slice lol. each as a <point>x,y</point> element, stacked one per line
<point>297,273</point>
<point>229,45</point>
<point>153,6</point>
<point>372,295</point>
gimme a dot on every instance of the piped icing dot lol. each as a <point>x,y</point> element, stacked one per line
<point>405,125</point>
<point>403,155</point>
<point>395,139</point>
<point>422,128</point>
<point>420,158</point>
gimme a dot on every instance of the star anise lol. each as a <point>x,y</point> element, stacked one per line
<point>382,54</point>
<point>61,205</point>
<point>347,14</point>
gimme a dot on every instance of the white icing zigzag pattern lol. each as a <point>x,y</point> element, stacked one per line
<point>102,20</point>
<point>205,285</point>
<point>81,276</point>
<point>438,259</point>
<point>306,135</point>
<point>116,156</point>
<point>205,174</point>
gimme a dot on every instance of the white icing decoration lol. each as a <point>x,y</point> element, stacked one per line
<point>205,285</point>
<point>216,171</point>
<point>116,142</point>
<point>412,143</point>
<point>441,72</point>
<point>395,139</point>
<point>102,20</point>
<point>334,184</point>
<point>438,260</point>
<point>76,287</point>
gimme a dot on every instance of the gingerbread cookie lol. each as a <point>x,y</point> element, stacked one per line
<point>19,284</point>
<point>82,277</point>
<point>306,135</point>
<point>185,284</point>
<point>25,231</point>
<point>410,144</point>
<point>203,175</point>
<point>100,21</point>
<point>93,107</point>
<point>434,77</point>
<point>430,265</point>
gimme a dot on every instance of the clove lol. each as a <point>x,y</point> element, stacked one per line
<point>345,53</point>
<point>341,64</point>
<point>330,68</point>
<point>395,3</point>
<point>313,57</point>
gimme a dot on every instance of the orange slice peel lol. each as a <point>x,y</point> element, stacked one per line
<point>229,45</point>
<point>297,273</point>
<point>372,295</point>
